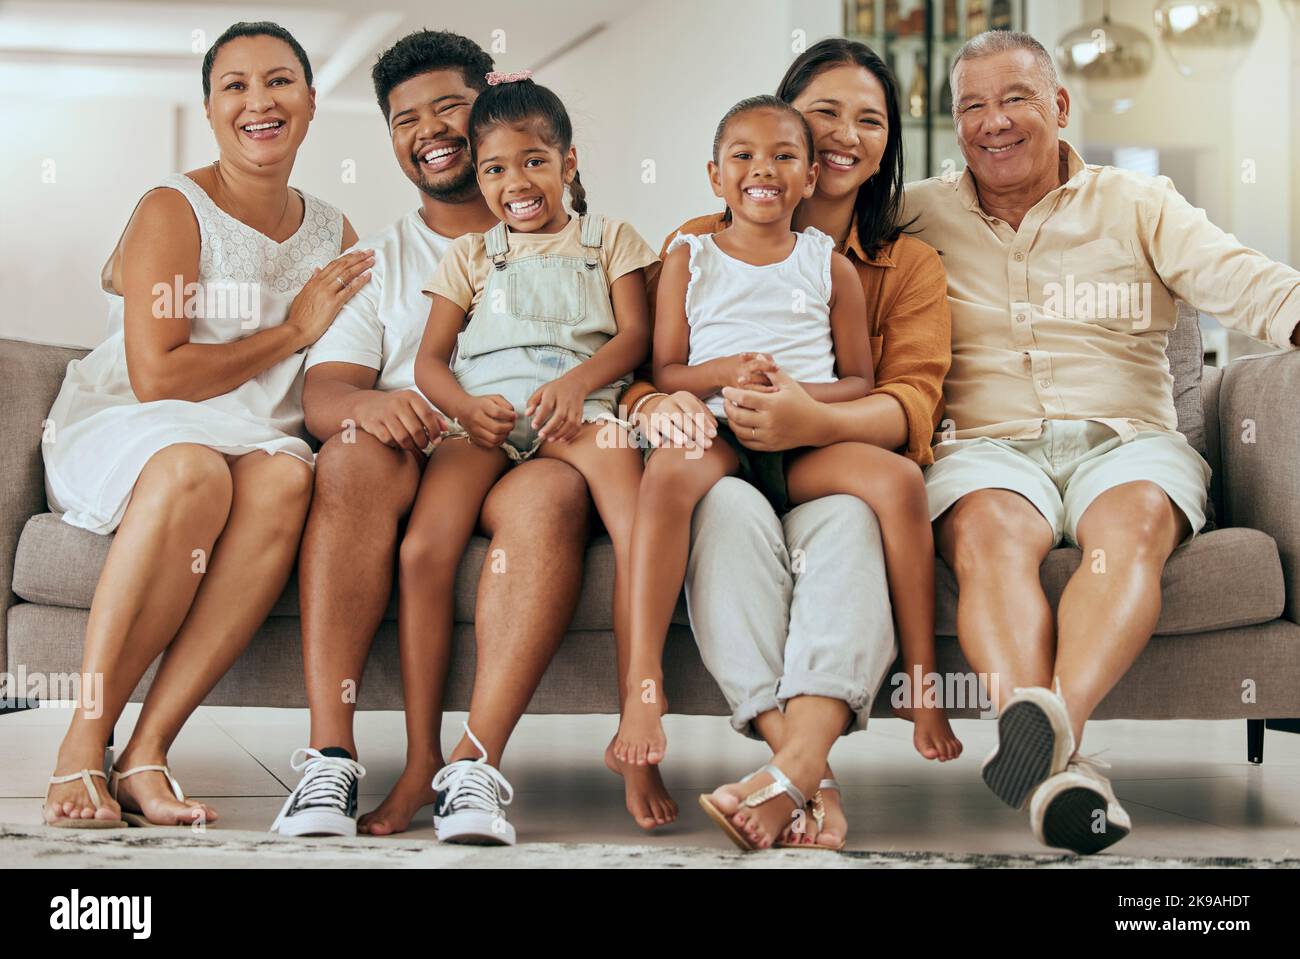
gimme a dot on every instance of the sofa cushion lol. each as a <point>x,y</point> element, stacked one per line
<point>1222,579</point>
<point>1186,356</point>
<point>1219,580</point>
<point>58,565</point>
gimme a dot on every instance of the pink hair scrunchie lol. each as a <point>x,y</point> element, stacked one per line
<point>495,78</point>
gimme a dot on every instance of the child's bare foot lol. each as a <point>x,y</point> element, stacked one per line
<point>647,798</point>
<point>411,793</point>
<point>149,794</point>
<point>70,800</point>
<point>640,738</point>
<point>933,736</point>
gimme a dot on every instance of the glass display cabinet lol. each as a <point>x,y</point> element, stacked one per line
<point>918,39</point>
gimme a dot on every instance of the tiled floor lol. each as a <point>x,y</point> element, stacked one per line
<point>1187,785</point>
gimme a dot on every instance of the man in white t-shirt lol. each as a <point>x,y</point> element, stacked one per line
<point>361,400</point>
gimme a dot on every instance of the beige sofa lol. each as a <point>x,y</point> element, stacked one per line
<point>1231,596</point>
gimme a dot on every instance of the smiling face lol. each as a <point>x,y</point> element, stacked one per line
<point>260,105</point>
<point>523,177</point>
<point>428,116</point>
<point>1008,120</point>
<point>846,108</point>
<point>763,169</point>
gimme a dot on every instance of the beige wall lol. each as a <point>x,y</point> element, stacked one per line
<point>1246,118</point>
<point>646,89</point>
<point>55,236</point>
<point>646,95</point>
<point>642,90</point>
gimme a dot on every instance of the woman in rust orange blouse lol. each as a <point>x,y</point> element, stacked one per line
<point>792,614</point>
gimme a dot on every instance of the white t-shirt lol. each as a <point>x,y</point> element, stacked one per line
<point>382,325</point>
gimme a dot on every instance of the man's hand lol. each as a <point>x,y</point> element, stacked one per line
<point>403,419</point>
<point>488,419</point>
<point>557,409</point>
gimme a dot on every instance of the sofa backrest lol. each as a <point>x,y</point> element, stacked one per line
<point>30,377</point>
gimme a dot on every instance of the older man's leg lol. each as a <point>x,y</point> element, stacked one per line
<point>1110,606</point>
<point>995,540</point>
<point>537,516</point>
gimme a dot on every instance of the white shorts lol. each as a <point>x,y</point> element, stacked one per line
<point>1068,466</point>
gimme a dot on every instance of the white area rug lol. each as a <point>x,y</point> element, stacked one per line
<point>41,847</point>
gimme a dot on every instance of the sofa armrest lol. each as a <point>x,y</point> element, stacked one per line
<point>1259,407</point>
<point>30,376</point>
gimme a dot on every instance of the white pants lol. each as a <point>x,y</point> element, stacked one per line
<point>789,606</point>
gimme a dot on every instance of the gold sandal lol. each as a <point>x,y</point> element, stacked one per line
<point>139,819</point>
<point>780,784</point>
<point>67,822</point>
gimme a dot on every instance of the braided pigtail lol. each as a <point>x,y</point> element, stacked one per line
<point>578,195</point>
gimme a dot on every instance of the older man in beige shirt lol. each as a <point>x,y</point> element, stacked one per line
<point>1059,422</point>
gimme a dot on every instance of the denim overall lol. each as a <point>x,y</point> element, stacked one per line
<point>539,317</point>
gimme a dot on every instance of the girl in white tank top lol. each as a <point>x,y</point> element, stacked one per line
<point>733,309</point>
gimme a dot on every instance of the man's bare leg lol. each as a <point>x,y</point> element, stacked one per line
<point>345,575</point>
<point>994,540</point>
<point>1106,618</point>
<point>537,517</point>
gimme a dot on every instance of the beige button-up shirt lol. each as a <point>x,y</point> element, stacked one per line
<point>1068,317</point>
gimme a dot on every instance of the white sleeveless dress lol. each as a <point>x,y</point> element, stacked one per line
<point>98,436</point>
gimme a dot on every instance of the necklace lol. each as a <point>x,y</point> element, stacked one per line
<point>216,171</point>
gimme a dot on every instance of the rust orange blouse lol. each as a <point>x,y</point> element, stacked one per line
<point>908,323</point>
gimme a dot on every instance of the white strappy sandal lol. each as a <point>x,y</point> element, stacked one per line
<point>780,784</point>
<point>67,822</point>
<point>138,819</point>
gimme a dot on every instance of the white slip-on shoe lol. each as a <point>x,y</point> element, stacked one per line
<point>1077,809</point>
<point>1034,742</point>
<point>324,803</point>
<point>472,796</point>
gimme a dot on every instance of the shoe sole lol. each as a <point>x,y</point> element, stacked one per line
<point>1023,760</point>
<point>1068,822</point>
<point>473,829</point>
<point>316,824</point>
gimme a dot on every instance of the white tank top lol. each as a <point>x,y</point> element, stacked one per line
<point>782,309</point>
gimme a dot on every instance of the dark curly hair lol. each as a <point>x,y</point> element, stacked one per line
<point>257,28</point>
<point>525,103</point>
<point>879,205</point>
<point>423,52</point>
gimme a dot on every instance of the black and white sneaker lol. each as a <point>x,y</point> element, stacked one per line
<point>1035,742</point>
<point>472,796</point>
<point>324,803</point>
<point>1078,809</point>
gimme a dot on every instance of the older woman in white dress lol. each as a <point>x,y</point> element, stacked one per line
<point>183,430</point>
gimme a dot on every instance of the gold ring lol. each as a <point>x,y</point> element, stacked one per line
<point>753,432</point>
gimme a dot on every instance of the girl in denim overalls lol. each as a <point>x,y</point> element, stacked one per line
<point>557,322</point>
